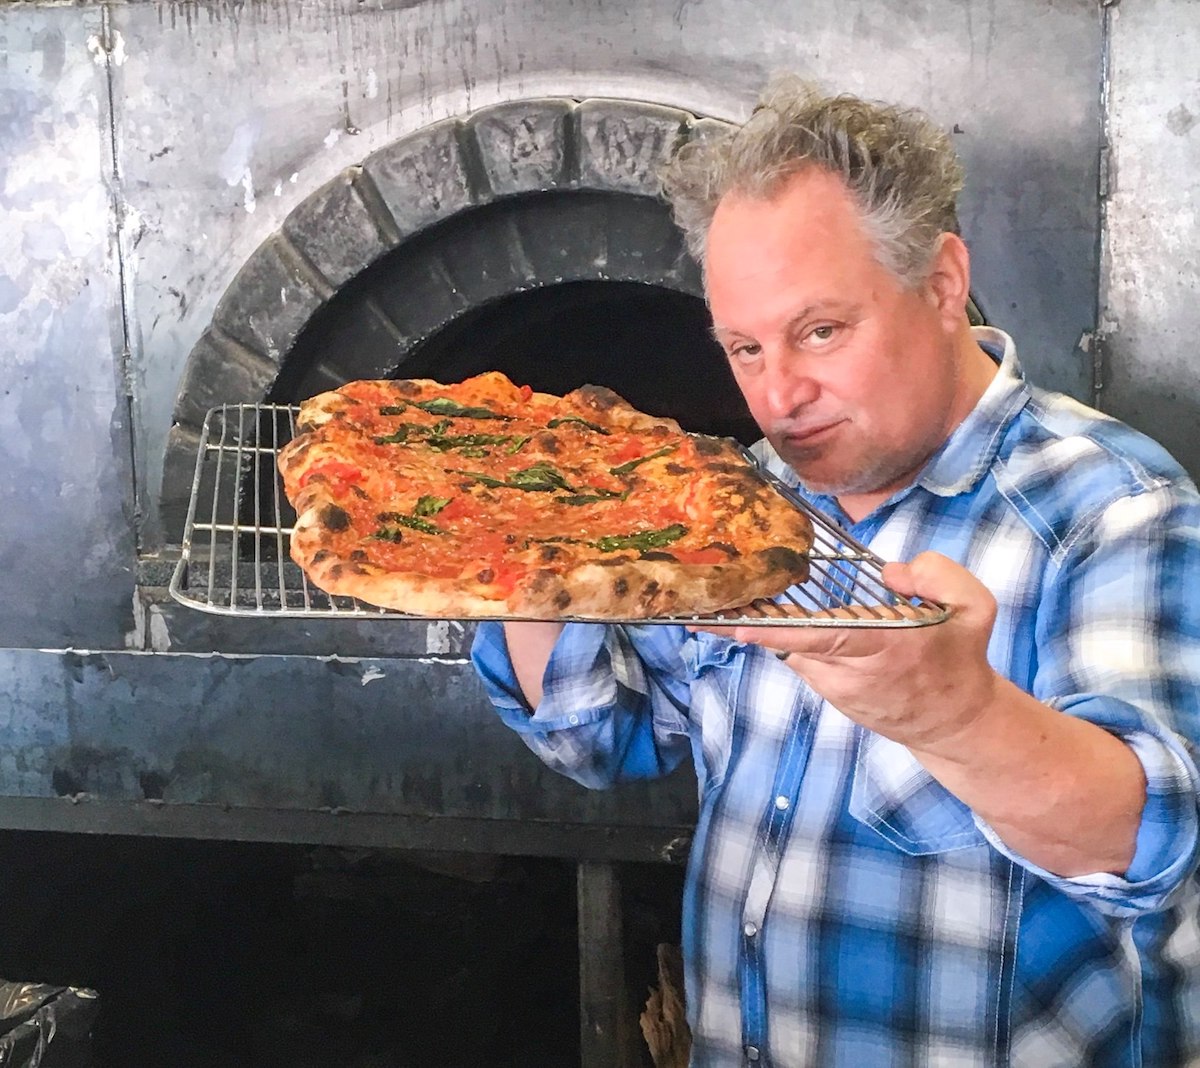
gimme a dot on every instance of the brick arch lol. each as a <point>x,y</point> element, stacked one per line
<point>534,153</point>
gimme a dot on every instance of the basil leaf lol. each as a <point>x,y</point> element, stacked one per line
<point>541,476</point>
<point>388,534</point>
<point>575,419</point>
<point>393,409</point>
<point>410,521</point>
<point>397,437</point>
<point>430,505</point>
<point>646,539</point>
<point>517,445</point>
<point>624,469</point>
<point>466,441</point>
<point>446,406</point>
<point>480,477</point>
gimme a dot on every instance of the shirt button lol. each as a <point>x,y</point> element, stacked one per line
<point>750,930</point>
<point>573,720</point>
<point>751,1053</point>
<point>781,802</point>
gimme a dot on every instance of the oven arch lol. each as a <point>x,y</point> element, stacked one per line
<point>588,167</point>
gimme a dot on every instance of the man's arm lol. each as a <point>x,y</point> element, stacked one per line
<point>599,704</point>
<point>529,649</point>
<point>1064,793</point>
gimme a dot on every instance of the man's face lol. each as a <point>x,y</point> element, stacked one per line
<point>852,378</point>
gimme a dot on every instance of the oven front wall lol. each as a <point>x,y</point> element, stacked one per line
<point>147,149</point>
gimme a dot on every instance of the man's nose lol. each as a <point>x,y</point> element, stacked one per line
<point>789,387</point>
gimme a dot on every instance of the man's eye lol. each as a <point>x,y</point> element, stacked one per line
<point>823,334</point>
<point>744,353</point>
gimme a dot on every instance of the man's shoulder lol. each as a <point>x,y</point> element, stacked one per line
<point>1062,464</point>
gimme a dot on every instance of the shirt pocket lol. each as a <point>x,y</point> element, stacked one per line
<point>899,800</point>
<point>716,666</point>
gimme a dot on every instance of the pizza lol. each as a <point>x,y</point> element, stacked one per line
<point>485,499</point>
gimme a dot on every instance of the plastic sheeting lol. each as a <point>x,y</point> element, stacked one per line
<point>44,1026</point>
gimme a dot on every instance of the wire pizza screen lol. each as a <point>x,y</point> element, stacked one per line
<point>234,558</point>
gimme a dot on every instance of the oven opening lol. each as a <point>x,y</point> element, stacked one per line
<point>649,344</point>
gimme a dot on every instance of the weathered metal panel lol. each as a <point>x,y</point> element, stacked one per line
<point>231,115</point>
<point>411,738</point>
<point>66,524</point>
<point>1151,269</point>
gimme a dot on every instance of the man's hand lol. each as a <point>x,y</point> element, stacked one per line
<point>920,686</point>
<point>1060,791</point>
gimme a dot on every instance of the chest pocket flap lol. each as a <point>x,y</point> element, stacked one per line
<point>716,665</point>
<point>897,798</point>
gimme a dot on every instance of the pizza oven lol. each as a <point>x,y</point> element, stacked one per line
<point>219,203</point>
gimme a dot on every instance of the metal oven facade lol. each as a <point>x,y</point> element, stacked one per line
<point>219,201</point>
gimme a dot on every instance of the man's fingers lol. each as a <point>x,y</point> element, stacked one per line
<point>938,578</point>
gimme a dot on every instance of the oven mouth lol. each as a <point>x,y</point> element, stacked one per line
<point>649,344</point>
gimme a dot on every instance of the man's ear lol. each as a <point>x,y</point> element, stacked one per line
<point>948,284</point>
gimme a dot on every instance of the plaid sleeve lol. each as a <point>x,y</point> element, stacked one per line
<point>1119,645</point>
<point>613,706</point>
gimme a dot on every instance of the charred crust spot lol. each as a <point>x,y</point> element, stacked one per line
<point>540,580</point>
<point>724,546</point>
<point>510,539</point>
<point>620,587</point>
<point>360,493</point>
<point>336,570</point>
<point>725,467</point>
<point>650,590</point>
<point>407,389</point>
<point>709,446</point>
<point>611,561</point>
<point>359,556</point>
<point>547,442</point>
<point>678,469</point>
<point>658,554</point>
<point>599,397</point>
<point>321,554</point>
<point>781,558</point>
<point>486,576</point>
<point>562,599</point>
<point>659,430</point>
<point>357,569</point>
<point>333,518</point>
<point>549,552</point>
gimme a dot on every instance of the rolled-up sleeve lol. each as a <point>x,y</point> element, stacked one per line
<point>1168,836</point>
<point>613,702</point>
<point>1119,646</point>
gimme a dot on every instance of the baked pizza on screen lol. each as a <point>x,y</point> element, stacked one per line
<point>485,499</point>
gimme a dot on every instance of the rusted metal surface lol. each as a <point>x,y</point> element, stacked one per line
<point>1146,366</point>
<point>335,738</point>
<point>147,150</point>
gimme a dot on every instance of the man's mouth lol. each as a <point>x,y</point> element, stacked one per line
<point>809,435</point>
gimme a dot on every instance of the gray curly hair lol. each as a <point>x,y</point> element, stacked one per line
<point>897,165</point>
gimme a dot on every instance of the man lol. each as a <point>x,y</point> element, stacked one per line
<point>966,844</point>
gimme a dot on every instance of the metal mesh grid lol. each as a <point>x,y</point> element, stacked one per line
<point>235,558</point>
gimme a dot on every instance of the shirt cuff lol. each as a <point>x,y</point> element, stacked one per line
<point>561,707</point>
<point>1165,853</point>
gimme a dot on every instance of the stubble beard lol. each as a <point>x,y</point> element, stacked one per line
<point>874,474</point>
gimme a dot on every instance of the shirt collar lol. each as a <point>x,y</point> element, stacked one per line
<point>972,446</point>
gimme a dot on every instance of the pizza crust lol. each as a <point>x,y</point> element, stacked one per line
<point>621,587</point>
<point>764,537</point>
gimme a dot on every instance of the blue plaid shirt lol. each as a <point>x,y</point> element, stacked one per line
<point>841,907</point>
